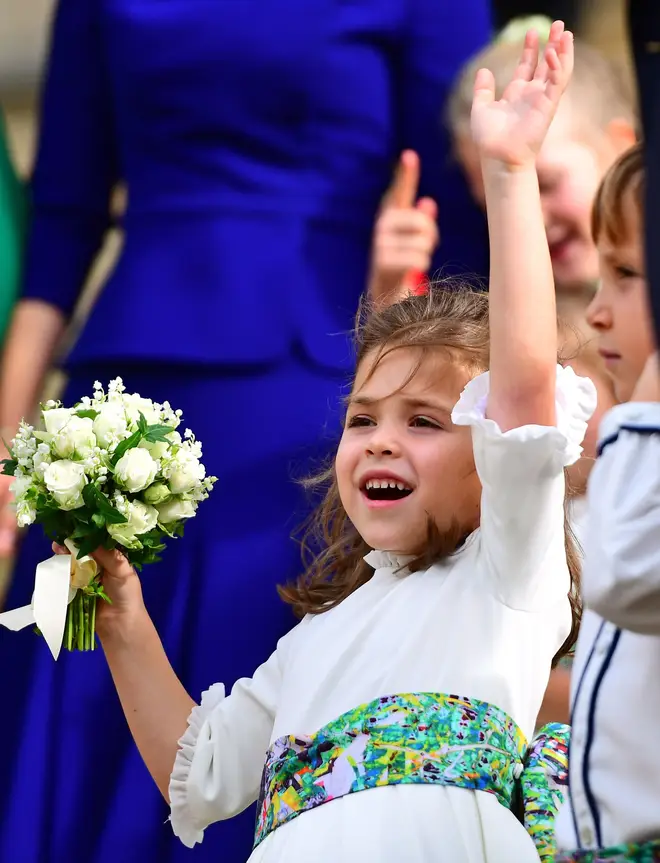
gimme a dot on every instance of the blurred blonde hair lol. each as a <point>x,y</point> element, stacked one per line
<point>603,91</point>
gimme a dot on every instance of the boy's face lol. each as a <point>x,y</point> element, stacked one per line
<point>620,311</point>
<point>570,169</point>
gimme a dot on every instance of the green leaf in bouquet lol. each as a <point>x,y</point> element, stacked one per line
<point>98,502</point>
<point>125,445</point>
<point>81,531</point>
<point>158,433</point>
<point>153,540</point>
<point>99,519</point>
<point>55,523</point>
<point>9,466</point>
<point>87,414</point>
<point>90,543</point>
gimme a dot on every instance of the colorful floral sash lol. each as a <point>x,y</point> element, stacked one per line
<point>418,738</point>
<point>649,852</point>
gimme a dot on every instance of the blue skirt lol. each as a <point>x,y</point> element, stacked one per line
<point>73,786</point>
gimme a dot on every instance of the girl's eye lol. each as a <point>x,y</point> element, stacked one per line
<point>359,422</point>
<point>624,272</point>
<point>425,422</point>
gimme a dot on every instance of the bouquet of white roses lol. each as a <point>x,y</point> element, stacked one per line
<point>112,471</point>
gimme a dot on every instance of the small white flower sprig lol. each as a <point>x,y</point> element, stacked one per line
<point>112,471</point>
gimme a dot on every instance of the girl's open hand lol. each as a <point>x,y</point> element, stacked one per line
<point>511,130</point>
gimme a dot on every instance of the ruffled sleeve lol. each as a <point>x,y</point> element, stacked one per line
<point>218,767</point>
<point>522,477</point>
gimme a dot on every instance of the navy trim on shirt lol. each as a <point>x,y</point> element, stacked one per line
<point>591,722</point>
<point>574,705</point>
<point>643,430</point>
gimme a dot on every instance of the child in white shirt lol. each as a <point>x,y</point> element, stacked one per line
<point>613,812</point>
<point>443,594</point>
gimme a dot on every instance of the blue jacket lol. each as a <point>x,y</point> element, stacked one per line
<point>255,138</point>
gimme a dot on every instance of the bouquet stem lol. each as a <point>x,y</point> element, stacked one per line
<point>80,629</point>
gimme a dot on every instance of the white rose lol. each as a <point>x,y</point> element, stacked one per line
<point>65,480</point>
<point>110,425</point>
<point>185,472</point>
<point>141,519</point>
<point>76,437</point>
<point>157,493</point>
<point>135,405</point>
<point>135,470</point>
<point>56,419</point>
<point>175,510</point>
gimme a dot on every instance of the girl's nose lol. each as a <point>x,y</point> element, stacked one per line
<point>383,443</point>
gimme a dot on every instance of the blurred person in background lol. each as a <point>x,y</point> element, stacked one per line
<point>594,125</point>
<point>255,141</point>
<point>12,223</point>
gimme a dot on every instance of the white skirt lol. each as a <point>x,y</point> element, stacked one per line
<point>402,824</point>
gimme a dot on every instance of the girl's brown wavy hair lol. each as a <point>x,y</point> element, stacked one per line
<point>452,317</point>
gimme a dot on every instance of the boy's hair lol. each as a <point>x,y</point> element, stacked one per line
<point>452,317</point>
<point>625,177</point>
<point>602,91</point>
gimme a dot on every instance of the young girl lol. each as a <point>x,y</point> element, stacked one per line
<point>443,594</point>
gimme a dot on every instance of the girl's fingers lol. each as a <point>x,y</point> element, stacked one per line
<point>554,40</point>
<point>112,562</point>
<point>529,58</point>
<point>59,549</point>
<point>525,68</point>
<point>560,66</point>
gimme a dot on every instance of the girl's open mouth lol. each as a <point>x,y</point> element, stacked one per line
<point>385,490</point>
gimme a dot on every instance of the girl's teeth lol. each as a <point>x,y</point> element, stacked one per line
<point>385,483</point>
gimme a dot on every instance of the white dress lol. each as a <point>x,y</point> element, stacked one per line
<point>484,624</point>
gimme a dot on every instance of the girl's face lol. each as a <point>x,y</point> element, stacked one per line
<point>400,459</point>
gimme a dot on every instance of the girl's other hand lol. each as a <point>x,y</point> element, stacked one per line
<point>405,235</point>
<point>122,585</point>
<point>511,130</point>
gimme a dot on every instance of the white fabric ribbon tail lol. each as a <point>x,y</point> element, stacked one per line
<point>57,580</point>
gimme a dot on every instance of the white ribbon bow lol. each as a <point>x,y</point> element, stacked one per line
<point>57,580</point>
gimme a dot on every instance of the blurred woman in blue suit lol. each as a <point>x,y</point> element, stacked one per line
<point>255,139</point>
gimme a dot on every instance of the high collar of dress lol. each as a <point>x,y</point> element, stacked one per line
<point>388,560</point>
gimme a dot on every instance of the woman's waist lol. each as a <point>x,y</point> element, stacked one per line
<point>348,204</point>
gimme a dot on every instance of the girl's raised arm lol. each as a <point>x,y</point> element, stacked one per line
<point>509,134</point>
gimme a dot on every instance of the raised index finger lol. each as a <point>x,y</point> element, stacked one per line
<point>403,191</point>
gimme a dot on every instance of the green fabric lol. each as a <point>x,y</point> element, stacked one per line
<point>13,208</point>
